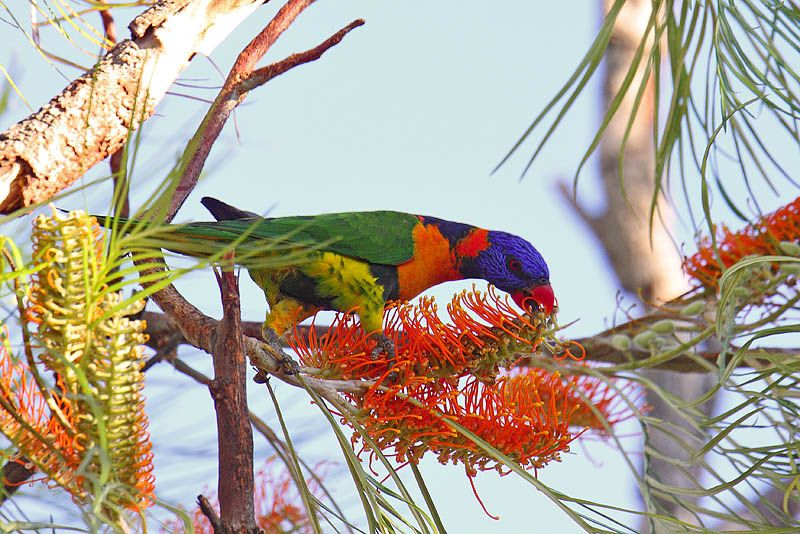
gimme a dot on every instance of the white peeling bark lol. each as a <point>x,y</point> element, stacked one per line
<point>90,119</point>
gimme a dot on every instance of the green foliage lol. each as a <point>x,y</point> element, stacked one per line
<point>729,67</point>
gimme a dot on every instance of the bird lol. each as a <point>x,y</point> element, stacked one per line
<point>359,261</point>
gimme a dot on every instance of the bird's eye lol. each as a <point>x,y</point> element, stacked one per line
<point>514,265</point>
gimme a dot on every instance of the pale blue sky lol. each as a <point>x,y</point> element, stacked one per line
<point>411,112</point>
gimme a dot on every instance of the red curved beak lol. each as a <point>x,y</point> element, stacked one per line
<point>542,295</point>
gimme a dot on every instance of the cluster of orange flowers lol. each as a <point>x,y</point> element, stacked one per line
<point>761,238</point>
<point>445,383</point>
<point>26,419</point>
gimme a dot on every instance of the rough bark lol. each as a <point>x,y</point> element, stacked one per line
<point>91,118</point>
<point>234,434</point>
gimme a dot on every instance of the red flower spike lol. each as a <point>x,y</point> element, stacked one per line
<point>528,417</point>
<point>760,238</point>
<point>448,371</point>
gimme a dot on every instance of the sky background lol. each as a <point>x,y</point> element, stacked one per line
<point>410,112</point>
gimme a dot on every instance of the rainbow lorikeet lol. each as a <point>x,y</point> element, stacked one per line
<point>360,260</point>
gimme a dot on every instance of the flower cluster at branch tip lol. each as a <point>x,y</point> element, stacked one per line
<point>278,505</point>
<point>92,419</point>
<point>445,383</point>
<point>767,236</point>
<point>485,332</point>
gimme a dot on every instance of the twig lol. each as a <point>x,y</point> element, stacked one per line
<point>242,78</point>
<point>265,74</point>
<point>598,347</point>
<point>108,25</point>
<point>210,513</point>
<point>167,348</point>
<point>159,327</point>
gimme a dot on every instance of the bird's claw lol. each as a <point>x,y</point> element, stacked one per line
<point>384,346</point>
<point>288,365</point>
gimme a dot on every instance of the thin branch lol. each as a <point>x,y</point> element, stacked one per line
<point>599,347</point>
<point>210,513</point>
<point>241,79</point>
<point>159,328</point>
<point>109,27</point>
<point>569,195</point>
<point>265,74</point>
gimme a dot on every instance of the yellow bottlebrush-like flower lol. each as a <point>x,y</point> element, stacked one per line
<point>84,335</point>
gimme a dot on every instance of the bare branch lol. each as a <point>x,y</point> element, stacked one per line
<point>599,348</point>
<point>210,513</point>
<point>241,79</point>
<point>265,74</point>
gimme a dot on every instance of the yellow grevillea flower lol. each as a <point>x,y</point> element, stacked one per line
<point>88,431</point>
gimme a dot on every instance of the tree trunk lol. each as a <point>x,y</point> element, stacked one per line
<point>644,259</point>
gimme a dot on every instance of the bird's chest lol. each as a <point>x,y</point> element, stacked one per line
<point>432,264</point>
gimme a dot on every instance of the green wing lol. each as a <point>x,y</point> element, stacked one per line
<point>382,237</point>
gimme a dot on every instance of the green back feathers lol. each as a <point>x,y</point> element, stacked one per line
<point>381,237</point>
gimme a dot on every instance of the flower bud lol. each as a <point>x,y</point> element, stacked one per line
<point>693,308</point>
<point>789,248</point>
<point>790,268</point>
<point>644,339</point>
<point>621,342</point>
<point>742,292</point>
<point>665,326</point>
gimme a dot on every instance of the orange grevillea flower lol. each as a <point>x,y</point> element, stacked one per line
<point>484,332</point>
<point>601,403</point>
<point>27,421</point>
<point>526,417</point>
<point>278,505</point>
<point>446,376</point>
<point>760,238</point>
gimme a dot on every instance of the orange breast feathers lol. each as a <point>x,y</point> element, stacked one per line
<point>432,264</point>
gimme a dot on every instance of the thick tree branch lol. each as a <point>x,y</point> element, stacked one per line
<point>599,347</point>
<point>91,118</point>
<point>234,433</point>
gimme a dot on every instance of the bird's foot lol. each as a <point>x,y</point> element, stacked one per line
<point>290,367</point>
<point>385,346</point>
